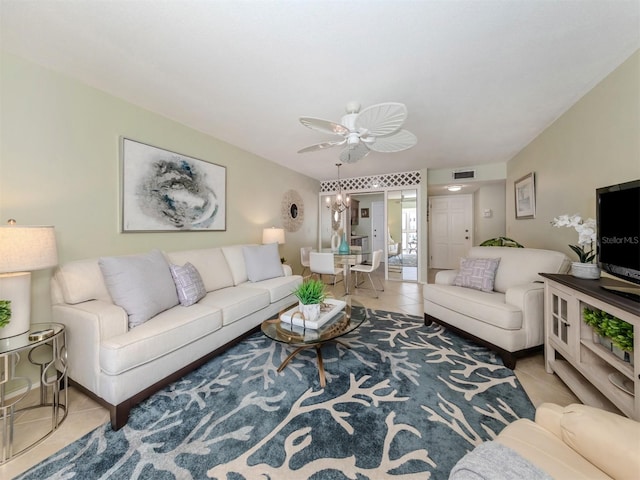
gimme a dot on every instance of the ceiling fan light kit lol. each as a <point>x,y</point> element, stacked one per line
<point>377,128</point>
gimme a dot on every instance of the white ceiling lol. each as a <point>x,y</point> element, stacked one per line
<point>481,79</point>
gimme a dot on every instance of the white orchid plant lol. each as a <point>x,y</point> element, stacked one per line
<point>586,235</point>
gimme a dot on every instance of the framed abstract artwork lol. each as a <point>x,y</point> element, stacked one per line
<point>164,191</point>
<point>525,195</point>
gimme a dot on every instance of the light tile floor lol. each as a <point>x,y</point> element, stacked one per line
<point>85,415</point>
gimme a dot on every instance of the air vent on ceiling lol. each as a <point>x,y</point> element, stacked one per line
<point>462,174</point>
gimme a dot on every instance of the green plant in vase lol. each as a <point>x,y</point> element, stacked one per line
<point>592,318</point>
<point>311,293</point>
<point>619,332</point>
<point>5,313</point>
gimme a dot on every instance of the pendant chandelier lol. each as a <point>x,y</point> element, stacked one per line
<point>340,202</point>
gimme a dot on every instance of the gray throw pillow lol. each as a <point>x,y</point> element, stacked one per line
<point>141,284</point>
<point>477,273</point>
<point>188,282</point>
<point>263,262</point>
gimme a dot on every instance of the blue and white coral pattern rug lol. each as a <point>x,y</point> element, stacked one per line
<point>405,401</point>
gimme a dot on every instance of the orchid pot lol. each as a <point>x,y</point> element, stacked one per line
<point>588,271</point>
<point>584,268</point>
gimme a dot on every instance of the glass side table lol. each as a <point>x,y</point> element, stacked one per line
<point>45,346</point>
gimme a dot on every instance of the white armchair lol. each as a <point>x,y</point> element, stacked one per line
<point>577,442</point>
<point>509,317</point>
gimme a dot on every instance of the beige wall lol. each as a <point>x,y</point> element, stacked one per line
<point>59,165</point>
<point>489,197</point>
<point>594,144</point>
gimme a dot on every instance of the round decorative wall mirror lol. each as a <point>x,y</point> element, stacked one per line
<point>292,211</point>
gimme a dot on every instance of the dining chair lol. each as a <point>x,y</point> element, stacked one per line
<point>375,263</point>
<point>324,264</point>
<point>304,258</point>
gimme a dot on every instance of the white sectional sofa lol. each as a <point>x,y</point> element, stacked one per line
<point>120,365</point>
<point>506,314</point>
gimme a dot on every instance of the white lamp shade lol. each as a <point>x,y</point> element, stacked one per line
<point>27,248</point>
<point>273,235</point>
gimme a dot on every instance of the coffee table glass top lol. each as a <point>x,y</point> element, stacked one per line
<point>343,322</point>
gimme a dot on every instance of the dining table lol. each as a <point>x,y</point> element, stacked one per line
<point>347,259</point>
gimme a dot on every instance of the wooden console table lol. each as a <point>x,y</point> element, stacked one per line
<point>586,367</point>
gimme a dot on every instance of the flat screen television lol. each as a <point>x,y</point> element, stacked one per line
<point>618,237</point>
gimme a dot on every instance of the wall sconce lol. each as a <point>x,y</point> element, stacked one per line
<point>23,249</point>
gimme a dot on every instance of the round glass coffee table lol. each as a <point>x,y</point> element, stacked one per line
<point>342,322</point>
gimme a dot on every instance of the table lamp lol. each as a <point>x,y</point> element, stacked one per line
<point>273,235</point>
<point>23,249</point>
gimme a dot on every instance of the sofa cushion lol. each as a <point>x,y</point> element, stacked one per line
<point>477,273</point>
<point>487,307</point>
<point>263,262</point>
<point>211,264</point>
<point>188,282</point>
<point>82,280</point>
<point>141,284</point>
<point>236,303</point>
<point>235,259</point>
<point>547,452</point>
<point>278,288</point>
<point>591,431</point>
<point>521,265</point>
<point>166,332</point>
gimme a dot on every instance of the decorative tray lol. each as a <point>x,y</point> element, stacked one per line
<point>328,309</point>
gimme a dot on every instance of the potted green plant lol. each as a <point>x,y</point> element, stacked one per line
<point>311,293</point>
<point>5,313</point>
<point>501,242</point>
<point>615,334</point>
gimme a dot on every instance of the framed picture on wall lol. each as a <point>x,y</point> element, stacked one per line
<point>364,213</point>
<point>525,195</point>
<point>164,191</point>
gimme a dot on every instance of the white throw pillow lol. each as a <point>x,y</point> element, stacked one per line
<point>141,284</point>
<point>188,282</point>
<point>263,262</point>
<point>477,273</point>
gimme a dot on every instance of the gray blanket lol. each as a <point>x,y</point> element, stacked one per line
<point>494,461</point>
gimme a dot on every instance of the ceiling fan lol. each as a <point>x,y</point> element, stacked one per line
<point>376,128</point>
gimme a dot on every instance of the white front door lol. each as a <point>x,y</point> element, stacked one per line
<point>450,229</point>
